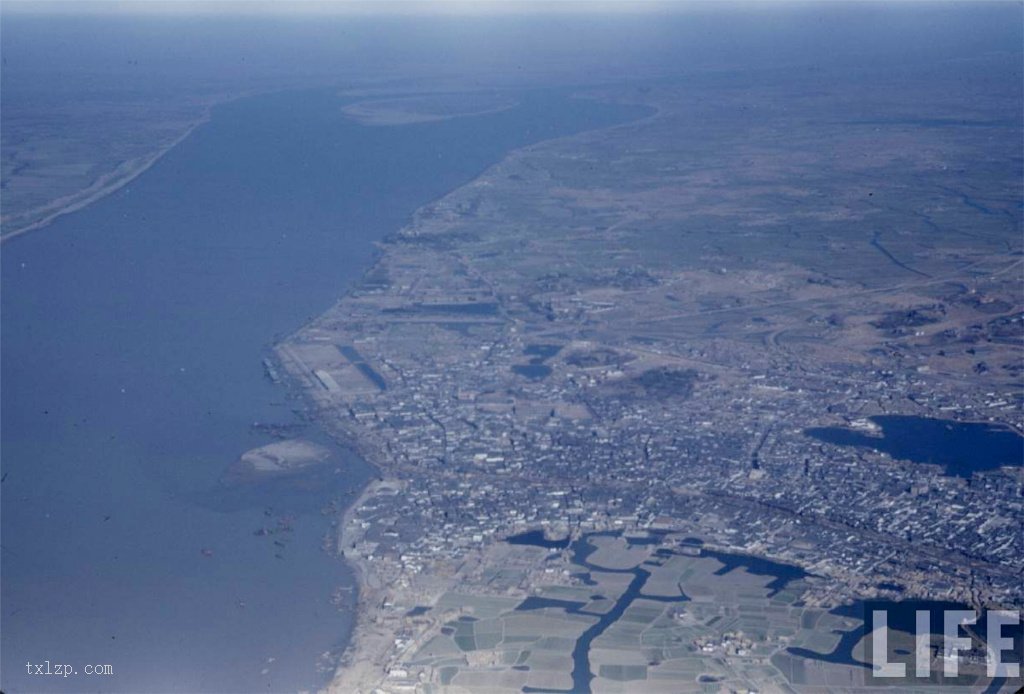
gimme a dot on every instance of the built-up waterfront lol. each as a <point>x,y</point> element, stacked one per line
<point>134,332</point>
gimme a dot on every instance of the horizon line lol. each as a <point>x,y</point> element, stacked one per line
<point>370,7</point>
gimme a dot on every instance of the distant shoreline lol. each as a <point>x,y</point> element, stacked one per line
<point>125,172</point>
<point>399,111</point>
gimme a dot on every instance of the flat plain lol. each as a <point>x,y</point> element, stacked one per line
<point>634,329</point>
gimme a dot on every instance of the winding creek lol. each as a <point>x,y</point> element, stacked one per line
<point>581,550</point>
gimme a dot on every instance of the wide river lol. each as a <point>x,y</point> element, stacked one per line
<point>133,334</point>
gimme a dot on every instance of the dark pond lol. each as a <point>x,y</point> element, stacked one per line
<point>901,616</point>
<point>536,538</point>
<point>534,371</point>
<point>962,448</point>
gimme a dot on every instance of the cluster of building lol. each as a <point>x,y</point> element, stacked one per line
<point>583,447</point>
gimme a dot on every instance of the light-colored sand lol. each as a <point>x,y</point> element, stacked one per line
<point>284,456</point>
<point>425,109</point>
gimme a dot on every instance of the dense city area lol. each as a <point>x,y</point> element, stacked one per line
<point>608,332</point>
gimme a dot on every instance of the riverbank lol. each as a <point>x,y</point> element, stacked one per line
<point>111,182</point>
<point>325,370</point>
<point>124,173</point>
<point>103,489</point>
<point>358,669</point>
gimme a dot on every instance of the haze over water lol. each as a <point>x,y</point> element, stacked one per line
<point>134,329</point>
<point>133,338</point>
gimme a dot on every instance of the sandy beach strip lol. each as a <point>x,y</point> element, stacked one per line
<point>123,174</point>
<point>360,669</point>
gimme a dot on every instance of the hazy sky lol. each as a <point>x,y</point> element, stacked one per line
<point>364,6</point>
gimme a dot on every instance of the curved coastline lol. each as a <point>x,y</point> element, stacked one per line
<point>359,663</point>
<point>476,164</point>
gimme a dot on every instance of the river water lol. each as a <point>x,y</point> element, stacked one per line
<point>133,334</point>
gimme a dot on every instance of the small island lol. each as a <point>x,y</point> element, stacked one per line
<point>276,459</point>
